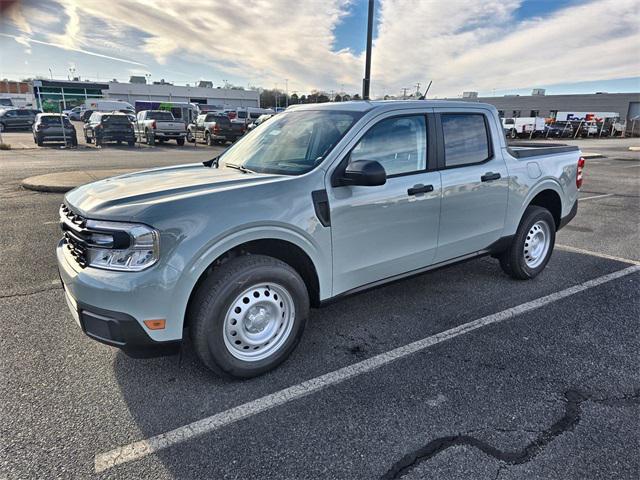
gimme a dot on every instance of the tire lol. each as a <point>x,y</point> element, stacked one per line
<point>150,138</point>
<point>39,141</point>
<point>190,137</point>
<point>2,127</point>
<point>532,245</point>
<point>73,142</point>
<point>131,143</point>
<point>87,139</point>
<point>207,139</point>
<point>180,141</point>
<point>98,141</point>
<point>222,332</point>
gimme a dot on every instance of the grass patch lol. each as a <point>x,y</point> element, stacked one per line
<point>5,146</point>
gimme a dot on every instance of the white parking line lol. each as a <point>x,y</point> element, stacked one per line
<point>596,196</point>
<point>631,166</point>
<point>142,448</point>
<point>596,254</point>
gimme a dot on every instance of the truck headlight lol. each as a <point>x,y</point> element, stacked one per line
<point>121,246</point>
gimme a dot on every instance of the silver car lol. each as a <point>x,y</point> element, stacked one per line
<point>321,201</point>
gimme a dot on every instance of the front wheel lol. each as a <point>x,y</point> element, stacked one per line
<point>190,138</point>
<point>532,245</point>
<point>248,316</point>
<point>208,139</point>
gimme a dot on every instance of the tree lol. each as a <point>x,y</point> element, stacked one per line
<point>303,99</point>
<point>322,98</point>
<point>346,98</point>
<point>294,100</point>
<point>357,97</point>
<point>337,98</point>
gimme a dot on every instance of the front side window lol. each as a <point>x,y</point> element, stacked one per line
<point>398,144</point>
<point>291,143</point>
<point>466,140</point>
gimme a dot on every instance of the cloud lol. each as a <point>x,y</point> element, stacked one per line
<point>459,44</point>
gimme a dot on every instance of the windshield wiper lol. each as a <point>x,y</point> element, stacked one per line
<point>239,167</point>
<point>212,163</point>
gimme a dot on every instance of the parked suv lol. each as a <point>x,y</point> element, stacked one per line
<point>214,128</point>
<point>54,127</point>
<point>322,201</point>
<point>109,127</point>
<point>17,118</point>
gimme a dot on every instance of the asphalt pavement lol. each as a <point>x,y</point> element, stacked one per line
<point>546,385</point>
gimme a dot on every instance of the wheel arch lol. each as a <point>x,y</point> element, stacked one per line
<point>287,247</point>
<point>551,200</point>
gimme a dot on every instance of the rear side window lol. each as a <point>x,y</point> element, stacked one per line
<point>25,113</point>
<point>398,144</point>
<point>466,140</point>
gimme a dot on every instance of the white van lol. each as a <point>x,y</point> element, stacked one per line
<point>521,126</point>
<point>100,105</point>
<point>247,115</point>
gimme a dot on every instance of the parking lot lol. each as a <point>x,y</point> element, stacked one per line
<point>458,373</point>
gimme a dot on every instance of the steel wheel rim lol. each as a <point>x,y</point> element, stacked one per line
<point>536,244</point>
<point>258,322</point>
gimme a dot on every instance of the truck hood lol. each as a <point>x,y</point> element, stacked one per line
<point>124,197</point>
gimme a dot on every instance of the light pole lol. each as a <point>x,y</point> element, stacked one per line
<point>286,92</point>
<point>366,81</point>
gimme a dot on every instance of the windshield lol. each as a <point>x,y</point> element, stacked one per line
<point>168,116</point>
<point>291,143</point>
<point>509,121</point>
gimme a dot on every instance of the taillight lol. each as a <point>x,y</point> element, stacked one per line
<point>154,124</point>
<point>579,172</point>
<point>216,128</point>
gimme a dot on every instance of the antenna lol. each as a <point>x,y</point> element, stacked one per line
<point>424,97</point>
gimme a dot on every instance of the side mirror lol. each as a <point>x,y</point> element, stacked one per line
<point>367,173</point>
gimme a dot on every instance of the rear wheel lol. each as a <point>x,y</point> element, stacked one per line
<point>150,138</point>
<point>2,127</point>
<point>532,245</point>
<point>190,138</point>
<point>248,316</point>
<point>180,141</point>
<point>208,139</point>
<point>39,141</point>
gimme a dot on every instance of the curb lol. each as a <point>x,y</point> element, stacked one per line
<point>62,182</point>
<point>634,149</point>
<point>587,155</point>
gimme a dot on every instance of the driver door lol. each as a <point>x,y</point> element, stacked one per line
<point>379,232</point>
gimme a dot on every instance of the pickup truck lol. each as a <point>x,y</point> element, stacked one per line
<point>214,128</point>
<point>322,201</point>
<point>159,125</point>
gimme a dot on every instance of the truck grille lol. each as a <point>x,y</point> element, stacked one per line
<point>74,235</point>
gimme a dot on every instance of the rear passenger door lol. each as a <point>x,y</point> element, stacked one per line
<point>475,182</point>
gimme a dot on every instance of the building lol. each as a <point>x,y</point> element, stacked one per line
<point>221,97</point>
<point>56,95</point>
<point>19,93</point>
<point>541,105</point>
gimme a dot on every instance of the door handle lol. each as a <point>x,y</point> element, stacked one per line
<point>487,177</point>
<point>416,189</point>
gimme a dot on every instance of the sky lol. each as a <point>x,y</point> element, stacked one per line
<point>494,47</point>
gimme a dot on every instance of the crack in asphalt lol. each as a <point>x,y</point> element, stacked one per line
<point>573,400</point>
<point>30,292</point>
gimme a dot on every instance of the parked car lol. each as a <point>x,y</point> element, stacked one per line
<point>17,119</point>
<point>75,113</point>
<point>86,115</point>
<point>54,127</point>
<point>157,126</point>
<point>105,127</point>
<point>214,128</point>
<point>6,102</point>
<point>259,120</point>
<point>322,201</point>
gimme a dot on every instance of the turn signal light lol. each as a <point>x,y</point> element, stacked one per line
<point>155,324</point>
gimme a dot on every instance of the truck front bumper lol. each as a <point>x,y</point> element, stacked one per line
<point>111,310</point>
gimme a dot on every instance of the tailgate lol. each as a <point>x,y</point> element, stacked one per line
<point>170,126</point>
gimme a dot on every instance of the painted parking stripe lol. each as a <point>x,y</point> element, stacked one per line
<point>142,448</point>
<point>597,196</point>
<point>596,254</point>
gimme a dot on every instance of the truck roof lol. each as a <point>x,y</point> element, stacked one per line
<point>368,105</point>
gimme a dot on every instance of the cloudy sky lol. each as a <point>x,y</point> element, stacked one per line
<point>490,46</point>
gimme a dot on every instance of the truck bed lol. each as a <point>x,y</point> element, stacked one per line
<point>527,150</point>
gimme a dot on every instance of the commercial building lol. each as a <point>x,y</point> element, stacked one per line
<point>52,95</point>
<point>541,105</point>
<point>165,92</point>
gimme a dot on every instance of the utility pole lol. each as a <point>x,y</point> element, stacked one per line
<point>404,93</point>
<point>417,89</point>
<point>366,81</point>
<point>286,92</point>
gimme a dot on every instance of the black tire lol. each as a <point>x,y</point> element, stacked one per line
<point>119,142</point>
<point>2,127</point>
<point>513,260</point>
<point>190,137</point>
<point>215,297</point>
<point>180,141</point>
<point>74,142</point>
<point>98,141</point>
<point>87,139</point>
<point>39,141</point>
<point>207,139</point>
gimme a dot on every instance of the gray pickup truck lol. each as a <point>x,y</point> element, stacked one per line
<point>321,201</point>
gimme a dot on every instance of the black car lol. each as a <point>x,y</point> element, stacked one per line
<point>53,127</point>
<point>17,118</point>
<point>84,116</point>
<point>109,127</point>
